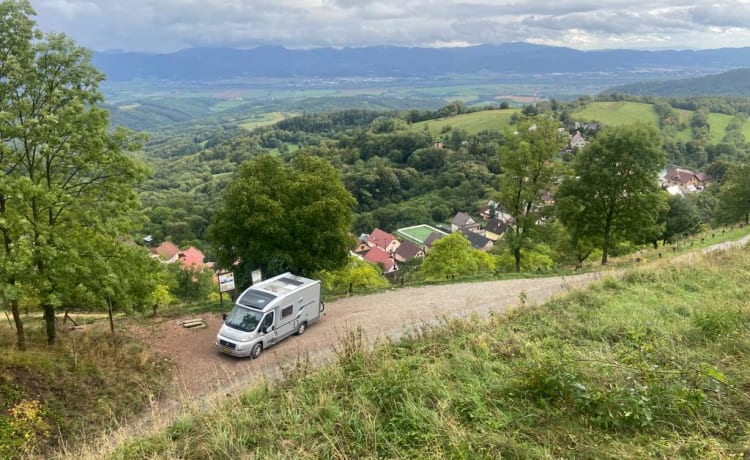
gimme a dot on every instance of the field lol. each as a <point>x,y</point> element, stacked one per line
<point>264,119</point>
<point>473,123</point>
<point>623,113</point>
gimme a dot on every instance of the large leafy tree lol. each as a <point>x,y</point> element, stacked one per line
<point>277,217</point>
<point>528,170</point>
<point>734,196</point>
<point>62,170</point>
<point>613,194</point>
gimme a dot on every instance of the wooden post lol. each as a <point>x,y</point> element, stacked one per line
<point>111,321</point>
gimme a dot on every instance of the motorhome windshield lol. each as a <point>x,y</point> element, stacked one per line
<point>243,319</point>
<point>255,299</point>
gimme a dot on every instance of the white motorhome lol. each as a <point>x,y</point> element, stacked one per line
<point>268,312</point>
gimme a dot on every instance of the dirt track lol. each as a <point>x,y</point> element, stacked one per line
<point>201,370</point>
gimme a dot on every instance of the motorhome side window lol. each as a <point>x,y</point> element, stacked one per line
<point>286,312</point>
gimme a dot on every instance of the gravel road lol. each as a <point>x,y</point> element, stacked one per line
<point>201,370</point>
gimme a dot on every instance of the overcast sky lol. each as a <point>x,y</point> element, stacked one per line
<point>168,25</point>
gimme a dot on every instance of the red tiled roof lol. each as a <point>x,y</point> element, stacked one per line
<point>167,250</point>
<point>380,238</point>
<point>191,257</point>
<point>378,256</point>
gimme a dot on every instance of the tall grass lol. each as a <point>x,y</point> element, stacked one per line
<point>655,364</point>
<point>89,381</point>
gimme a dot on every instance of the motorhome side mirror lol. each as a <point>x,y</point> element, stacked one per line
<point>224,316</point>
<point>269,329</point>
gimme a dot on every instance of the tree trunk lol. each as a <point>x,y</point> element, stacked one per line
<point>49,321</point>
<point>517,256</point>
<point>605,247</point>
<point>20,335</point>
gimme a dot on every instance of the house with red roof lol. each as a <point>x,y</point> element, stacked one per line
<point>383,240</point>
<point>382,258</point>
<point>191,258</point>
<point>167,252</point>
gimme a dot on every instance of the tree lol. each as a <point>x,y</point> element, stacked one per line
<point>682,218</point>
<point>63,170</point>
<point>278,217</point>
<point>452,255</point>
<point>528,160</point>
<point>734,195</point>
<point>613,193</point>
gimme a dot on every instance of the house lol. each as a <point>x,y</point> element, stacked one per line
<point>167,252</point>
<point>383,240</point>
<point>463,221</point>
<point>576,142</point>
<point>191,258</point>
<point>378,256</point>
<point>362,244</point>
<point>683,178</point>
<point>494,229</point>
<point>434,236</point>
<point>407,251</point>
<point>438,145</point>
<point>477,240</point>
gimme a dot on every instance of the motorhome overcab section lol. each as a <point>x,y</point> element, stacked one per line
<point>268,312</point>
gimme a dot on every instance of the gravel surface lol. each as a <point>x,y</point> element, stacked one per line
<point>202,371</point>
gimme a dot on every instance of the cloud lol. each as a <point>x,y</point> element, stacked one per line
<point>165,25</point>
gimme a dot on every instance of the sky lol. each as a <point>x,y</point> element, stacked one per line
<point>160,26</point>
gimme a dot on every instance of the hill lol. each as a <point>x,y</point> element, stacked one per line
<point>628,112</point>
<point>734,83</point>
<point>472,123</point>
<point>207,64</point>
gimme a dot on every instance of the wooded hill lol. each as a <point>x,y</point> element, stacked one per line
<point>389,164</point>
<point>732,83</point>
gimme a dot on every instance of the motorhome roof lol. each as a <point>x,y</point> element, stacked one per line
<point>283,284</point>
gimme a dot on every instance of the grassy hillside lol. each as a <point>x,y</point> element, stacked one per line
<point>654,365</point>
<point>623,112</point>
<point>89,382</point>
<point>473,123</point>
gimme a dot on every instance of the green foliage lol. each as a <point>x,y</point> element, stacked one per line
<point>613,194</point>
<point>734,197</point>
<point>536,259</point>
<point>280,217</point>
<point>358,275</point>
<point>67,193</point>
<point>528,171</point>
<point>452,255</point>
<point>682,219</point>
<point>193,284</point>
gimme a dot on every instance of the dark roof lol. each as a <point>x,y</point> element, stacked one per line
<point>408,250</point>
<point>434,236</point>
<point>496,226</point>
<point>477,241</point>
<point>462,219</point>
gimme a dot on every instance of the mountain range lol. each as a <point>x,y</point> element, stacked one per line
<point>211,64</point>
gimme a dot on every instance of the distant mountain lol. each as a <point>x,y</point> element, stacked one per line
<point>210,64</point>
<point>732,83</point>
